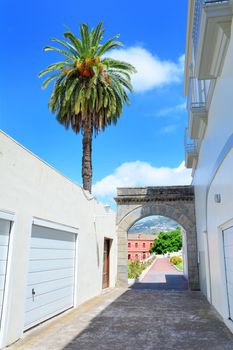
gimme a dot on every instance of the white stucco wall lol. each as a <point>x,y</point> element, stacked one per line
<point>220,217</point>
<point>219,129</point>
<point>31,188</point>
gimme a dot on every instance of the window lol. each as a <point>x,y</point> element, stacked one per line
<point>151,245</point>
<point>129,256</point>
<point>144,245</point>
<point>129,245</point>
<point>136,245</point>
<point>136,256</point>
<point>144,256</point>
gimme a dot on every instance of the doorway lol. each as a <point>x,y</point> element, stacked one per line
<point>106,264</point>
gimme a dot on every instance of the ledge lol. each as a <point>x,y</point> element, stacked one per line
<point>197,116</point>
<point>213,40</point>
<point>160,193</point>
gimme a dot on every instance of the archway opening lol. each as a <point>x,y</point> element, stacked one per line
<point>157,254</point>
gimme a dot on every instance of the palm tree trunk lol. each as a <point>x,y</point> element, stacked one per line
<point>87,157</point>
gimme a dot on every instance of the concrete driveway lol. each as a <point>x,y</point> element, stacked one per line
<point>137,318</point>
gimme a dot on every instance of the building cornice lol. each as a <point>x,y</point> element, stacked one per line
<point>155,194</point>
<point>189,44</point>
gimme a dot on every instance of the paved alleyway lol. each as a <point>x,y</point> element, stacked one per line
<point>129,319</point>
<point>163,276</point>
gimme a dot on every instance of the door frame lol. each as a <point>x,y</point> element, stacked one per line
<point>10,216</point>
<point>109,261</point>
<point>223,227</point>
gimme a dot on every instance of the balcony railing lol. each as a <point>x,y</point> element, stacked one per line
<point>190,149</point>
<point>196,105</point>
<point>197,17</point>
<point>197,93</point>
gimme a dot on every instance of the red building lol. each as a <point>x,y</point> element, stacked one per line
<point>139,245</point>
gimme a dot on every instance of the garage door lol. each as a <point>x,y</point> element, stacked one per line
<point>4,243</point>
<point>228,253</point>
<point>50,285</point>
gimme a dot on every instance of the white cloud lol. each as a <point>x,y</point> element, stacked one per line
<point>169,129</point>
<point>141,174</point>
<point>151,71</point>
<point>171,110</point>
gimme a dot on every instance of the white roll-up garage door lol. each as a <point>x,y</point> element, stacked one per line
<point>4,243</point>
<point>50,285</point>
<point>228,253</point>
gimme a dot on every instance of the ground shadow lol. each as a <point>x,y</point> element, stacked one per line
<point>172,282</point>
<point>147,320</point>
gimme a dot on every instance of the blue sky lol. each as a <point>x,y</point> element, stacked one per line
<point>146,147</point>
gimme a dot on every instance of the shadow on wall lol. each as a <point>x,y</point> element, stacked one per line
<point>153,319</point>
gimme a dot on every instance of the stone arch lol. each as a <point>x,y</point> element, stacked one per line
<point>175,202</point>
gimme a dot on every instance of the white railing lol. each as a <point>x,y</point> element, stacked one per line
<point>197,93</point>
<point>190,146</point>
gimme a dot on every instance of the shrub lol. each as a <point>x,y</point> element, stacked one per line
<point>135,267</point>
<point>175,260</point>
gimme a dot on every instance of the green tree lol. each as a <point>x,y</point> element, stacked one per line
<point>167,242</point>
<point>90,89</point>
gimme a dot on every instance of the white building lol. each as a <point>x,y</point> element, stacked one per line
<point>209,144</point>
<point>53,240</point>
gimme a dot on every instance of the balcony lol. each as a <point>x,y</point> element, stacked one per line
<point>196,104</point>
<point>190,151</point>
<point>211,34</point>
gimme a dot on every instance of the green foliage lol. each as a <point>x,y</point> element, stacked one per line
<point>90,89</point>
<point>180,266</point>
<point>167,242</point>
<point>135,267</point>
<point>176,260</point>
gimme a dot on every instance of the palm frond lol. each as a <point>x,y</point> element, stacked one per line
<point>87,89</point>
<point>63,52</point>
<point>109,45</point>
<point>53,67</point>
<point>67,45</point>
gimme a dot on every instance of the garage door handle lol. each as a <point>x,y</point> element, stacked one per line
<point>33,293</point>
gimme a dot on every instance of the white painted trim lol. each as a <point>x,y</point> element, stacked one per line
<point>27,269</point>
<point>226,225</point>
<point>6,215</point>
<point>221,230</point>
<point>54,225</point>
<point>7,290</point>
<point>76,274</point>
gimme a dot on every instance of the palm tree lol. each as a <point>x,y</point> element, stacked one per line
<point>89,89</point>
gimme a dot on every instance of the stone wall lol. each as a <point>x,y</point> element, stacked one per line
<point>175,202</point>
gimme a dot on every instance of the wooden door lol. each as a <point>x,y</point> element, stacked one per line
<point>106,263</point>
